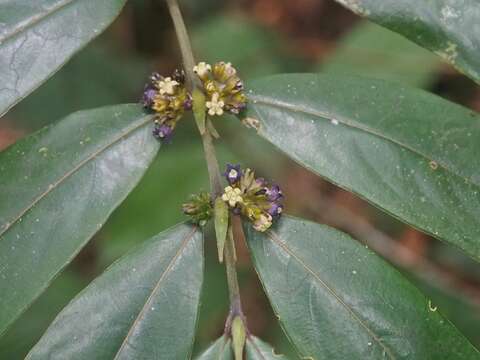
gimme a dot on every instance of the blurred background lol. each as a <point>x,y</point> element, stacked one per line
<point>260,37</point>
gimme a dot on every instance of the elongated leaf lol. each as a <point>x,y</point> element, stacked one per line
<point>57,188</point>
<point>373,51</point>
<point>255,350</point>
<point>143,307</point>
<point>219,350</point>
<point>404,150</point>
<point>38,37</point>
<point>447,27</point>
<point>259,350</point>
<point>337,300</point>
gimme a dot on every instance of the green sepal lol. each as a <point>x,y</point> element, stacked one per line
<point>239,336</point>
<point>199,109</point>
<point>221,225</point>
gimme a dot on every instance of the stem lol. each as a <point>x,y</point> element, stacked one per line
<point>183,40</point>
<point>210,157</point>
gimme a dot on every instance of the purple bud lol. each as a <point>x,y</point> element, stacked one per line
<point>179,75</point>
<point>233,173</point>
<point>148,96</point>
<point>275,209</point>
<point>274,193</point>
<point>239,86</point>
<point>155,77</point>
<point>260,181</point>
<point>188,104</point>
<point>236,210</point>
<point>163,132</point>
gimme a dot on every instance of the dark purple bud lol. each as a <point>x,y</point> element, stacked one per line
<point>236,210</point>
<point>162,132</point>
<point>155,77</point>
<point>233,173</point>
<point>179,75</point>
<point>274,193</point>
<point>260,181</point>
<point>149,96</point>
<point>275,209</point>
<point>188,104</point>
<point>239,86</point>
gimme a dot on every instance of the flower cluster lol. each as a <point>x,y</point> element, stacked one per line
<point>168,98</point>
<point>199,208</point>
<point>223,88</point>
<point>252,197</point>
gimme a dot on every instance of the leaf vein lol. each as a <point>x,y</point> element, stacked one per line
<point>277,240</point>
<point>295,108</point>
<point>9,224</point>
<point>169,267</point>
<point>35,19</point>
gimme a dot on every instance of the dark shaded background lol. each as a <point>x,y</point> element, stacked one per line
<point>260,37</point>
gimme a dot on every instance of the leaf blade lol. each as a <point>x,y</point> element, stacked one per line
<point>323,284</point>
<point>59,186</point>
<point>166,273</point>
<point>37,39</point>
<point>221,349</point>
<point>255,349</point>
<point>444,27</point>
<point>401,149</point>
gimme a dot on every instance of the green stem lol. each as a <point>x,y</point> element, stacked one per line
<point>183,40</point>
<point>210,155</point>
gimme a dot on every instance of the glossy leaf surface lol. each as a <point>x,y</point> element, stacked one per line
<point>336,299</point>
<point>410,153</point>
<point>447,27</point>
<point>58,187</point>
<point>143,307</point>
<point>38,37</point>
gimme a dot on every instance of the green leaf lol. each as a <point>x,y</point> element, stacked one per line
<point>258,350</point>
<point>255,350</point>
<point>221,225</point>
<point>445,27</point>
<point>59,186</point>
<point>373,51</point>
<point>37,38</point>
<point>143,307</point>
<point>408,152</point>
<point>219,350</point>
<point>338,300</point>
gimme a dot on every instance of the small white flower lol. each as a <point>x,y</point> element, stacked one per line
<point>263,223</point>
<point>167,86</point>
<point>202,69</point>
<point>215,107</point>
<point>232,196</point>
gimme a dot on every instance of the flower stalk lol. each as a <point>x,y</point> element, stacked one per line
<point>210,153</point>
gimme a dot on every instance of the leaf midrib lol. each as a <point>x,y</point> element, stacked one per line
<point>35,19</point>
<point>53,185</point>
<point>275,238</point>
<point>155,289</point>
<point>256,99</point>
